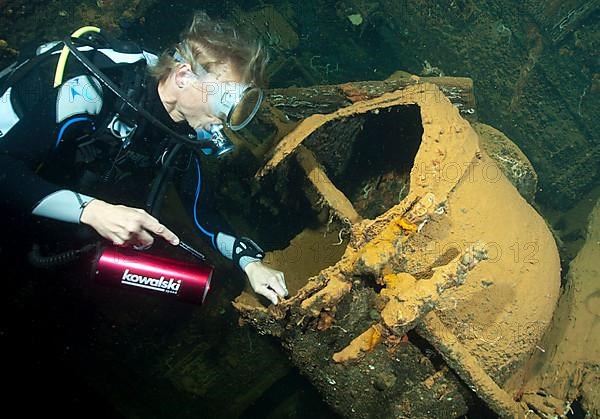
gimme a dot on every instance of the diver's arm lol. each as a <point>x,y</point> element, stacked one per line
<point>125,225</point>
<point>225,244</point>
<point>120,224</point>
<point>26,193</point>
<point>32,129</point>
<point>192,188</point>
<point>242,251</point>
<point>117,223</point>
<point>264,280</point>
<point>21,189</point>
<point>63,205</point>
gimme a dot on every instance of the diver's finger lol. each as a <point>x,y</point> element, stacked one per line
<point>275,285</point>
<point>143,240</point>
<point>151,224</point>
<point>270,294</point>
<point>281,280</point>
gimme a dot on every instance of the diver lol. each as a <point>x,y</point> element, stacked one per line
<point>119,122</point>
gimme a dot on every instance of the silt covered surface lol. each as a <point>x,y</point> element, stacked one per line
<point>413,265</point>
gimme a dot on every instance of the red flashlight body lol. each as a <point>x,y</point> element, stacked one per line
<point>141,271</point>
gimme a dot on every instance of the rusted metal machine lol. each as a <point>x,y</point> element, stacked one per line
<point>429,280</point>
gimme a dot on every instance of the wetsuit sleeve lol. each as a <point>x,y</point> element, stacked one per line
<point>192,189</point>
<point>25,192</point>
<point>37,121</point>
<point>20,187</point>
<point>31,140</point>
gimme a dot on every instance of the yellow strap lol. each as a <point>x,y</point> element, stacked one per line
<point>62,61</point>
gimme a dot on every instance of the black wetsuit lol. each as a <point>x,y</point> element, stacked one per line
<point>57,150</point>
<point>53,140</point>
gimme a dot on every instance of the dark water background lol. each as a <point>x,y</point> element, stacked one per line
<point>136,357</point>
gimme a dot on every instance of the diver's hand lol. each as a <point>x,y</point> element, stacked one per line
<point>266,281</point>
<point>125,226</point>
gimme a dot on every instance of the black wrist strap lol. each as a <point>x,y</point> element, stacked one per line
<point>244,246</point>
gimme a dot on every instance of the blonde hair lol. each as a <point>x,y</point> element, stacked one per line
<point>208,43</point>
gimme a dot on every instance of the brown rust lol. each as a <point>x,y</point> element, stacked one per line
<point>423,251</point>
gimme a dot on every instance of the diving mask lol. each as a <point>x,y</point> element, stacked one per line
<point>234,103</point>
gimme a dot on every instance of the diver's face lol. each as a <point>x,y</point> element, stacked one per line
<point>194,100</point>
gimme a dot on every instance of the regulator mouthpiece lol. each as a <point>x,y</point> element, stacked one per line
<point>214,142</point>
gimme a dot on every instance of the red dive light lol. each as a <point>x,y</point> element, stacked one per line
<point>141,271</point>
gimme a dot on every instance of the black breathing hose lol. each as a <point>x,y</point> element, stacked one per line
<point>40,261</point>
<point>104,79</point>
<point>154,200</point>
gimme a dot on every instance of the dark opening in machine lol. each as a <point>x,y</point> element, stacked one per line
<point>369,156</point>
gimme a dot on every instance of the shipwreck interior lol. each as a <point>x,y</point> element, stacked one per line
<point>329,212</point>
